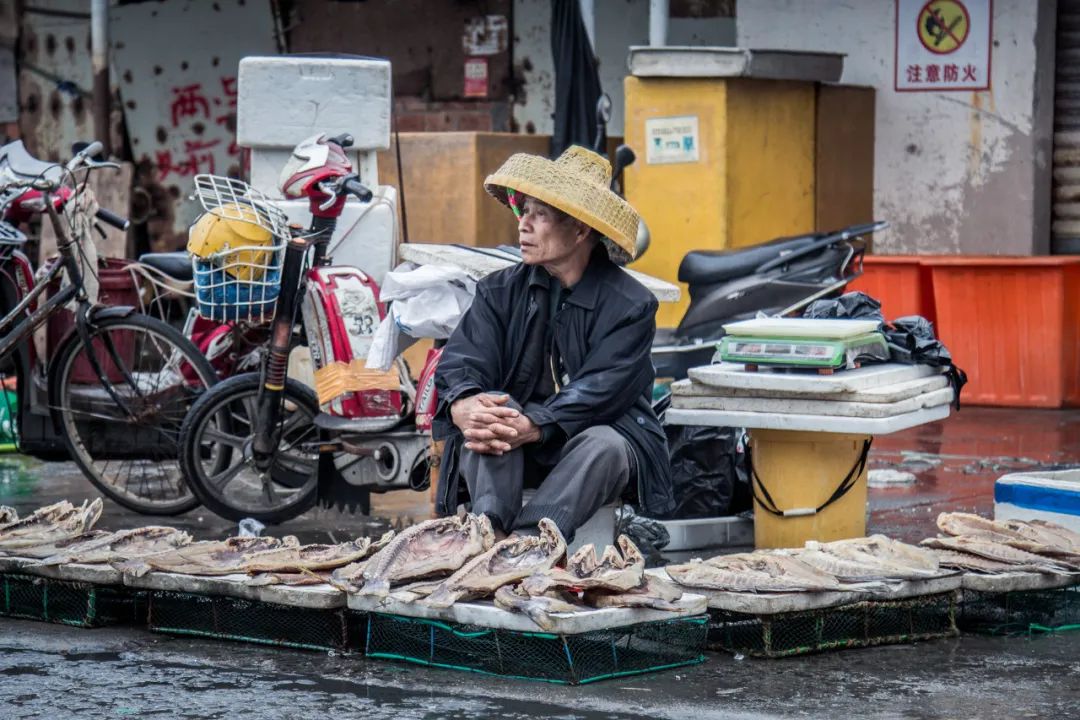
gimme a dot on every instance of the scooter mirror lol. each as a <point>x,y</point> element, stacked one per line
<point>641,244</point>
<point>624,157</point>
<point>603,110</point>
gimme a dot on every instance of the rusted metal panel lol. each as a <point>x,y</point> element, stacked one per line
<point>54,76</point>
<point>176,64</point>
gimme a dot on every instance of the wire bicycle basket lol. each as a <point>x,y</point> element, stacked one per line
<point>240,282</point>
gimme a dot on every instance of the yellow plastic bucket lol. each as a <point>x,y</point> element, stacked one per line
<point>796,473</point>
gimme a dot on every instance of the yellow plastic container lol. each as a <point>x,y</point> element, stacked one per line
<point>802,470</point>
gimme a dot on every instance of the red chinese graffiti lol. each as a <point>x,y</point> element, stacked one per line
<point>191,108</point>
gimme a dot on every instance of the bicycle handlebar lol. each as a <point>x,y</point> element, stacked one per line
<point>110,218</point>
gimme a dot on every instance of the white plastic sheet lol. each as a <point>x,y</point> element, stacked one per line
<point>426,302</point>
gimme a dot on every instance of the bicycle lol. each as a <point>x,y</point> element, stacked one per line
<point>119,385</point>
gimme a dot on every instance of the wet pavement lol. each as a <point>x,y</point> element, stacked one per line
<point>52,671</point>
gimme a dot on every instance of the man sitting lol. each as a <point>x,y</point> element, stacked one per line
<point>547,381</point>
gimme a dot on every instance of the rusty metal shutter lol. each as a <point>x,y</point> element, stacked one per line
<point>1066,224</point>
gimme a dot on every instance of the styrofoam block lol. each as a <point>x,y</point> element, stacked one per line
<point>365,234</point>
<point>284,99</point>
<point>699,533</point>
<point>1052,495</point>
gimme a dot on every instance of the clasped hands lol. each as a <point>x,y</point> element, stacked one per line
<point>490,427</point>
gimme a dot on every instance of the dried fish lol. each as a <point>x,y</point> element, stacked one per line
<point>48,549</point>
<point>752,572</point>
<point>1071,537</point>
<point>304,577</point>
<point>887,550</point>
<point>971,525</point>
<point>314,557</point>
<point>870,559</point>
<point>431,547</point>
<point>539,608</point>
<point>509,561</point>
<point>8,515</point>
<point>50,524</point>
<point>977,563</point>
<point>123,545</point>
<point>211,557</point>
<point>617,569</point>
<point>414,591</point>
<point>653,593</point>
<point>997,551</point>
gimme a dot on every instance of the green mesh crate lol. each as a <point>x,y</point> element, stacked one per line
<point>568,659</point>
<point>70,603</point>
<point>1021,611</point>
<point>231,618</point>
<point>872,622</point>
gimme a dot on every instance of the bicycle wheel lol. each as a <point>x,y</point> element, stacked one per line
<point>216,456</point>
<point>129,449</point>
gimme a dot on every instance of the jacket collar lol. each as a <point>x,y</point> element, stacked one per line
<point>587,289</point>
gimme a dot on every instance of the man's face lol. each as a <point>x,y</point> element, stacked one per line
<point>545,235</point>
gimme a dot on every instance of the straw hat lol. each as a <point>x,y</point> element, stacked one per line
<point>578,183</point>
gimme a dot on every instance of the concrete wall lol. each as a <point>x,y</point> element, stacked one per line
<point>955,172</point>
<point>619,24</point>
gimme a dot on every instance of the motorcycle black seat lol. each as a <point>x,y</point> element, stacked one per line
<point>708,267</point>
<point>176,265</point>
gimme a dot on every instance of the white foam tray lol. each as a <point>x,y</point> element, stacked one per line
<point>735,375</point>
<point>801,328</point>
<point>485,614</point>
<point>793,406</point>
<point>317,597</point>
<point>100,574</point>
<point>774,603</point>
<point>809,423</point>
<point>885,394</point>
<point>1014,582</point>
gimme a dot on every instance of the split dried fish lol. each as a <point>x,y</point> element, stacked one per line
<point>997,551</point>
<point>619,568</point>
<point>429,548</point>
<point>971,525</point>
<point>509,561</point>
<point>314,557</point>
<point>653,593</point>
<point>295,579</point>
<point>885,549</point>
<point>539,608</point>
<point>50,524</point>
<point>211,557</point>
<point>1071,537</point>
<point>752,572</point>
<point>48,549</point>
<point>415,591</point>
<point>977,563</point>
<point>8,515</point>
<point>123,545</point>
<point>870,559</point>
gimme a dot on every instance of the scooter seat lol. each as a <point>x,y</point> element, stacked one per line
<point>176,265</point>
<point>708,267</point>
<point>21,163</point>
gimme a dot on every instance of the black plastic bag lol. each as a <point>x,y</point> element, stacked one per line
<point>912,341</point>
<point>708,471</point>
<point>849,306</point>
<point>648,534</point>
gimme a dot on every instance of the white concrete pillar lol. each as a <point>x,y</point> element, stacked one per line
<point>658,23</point>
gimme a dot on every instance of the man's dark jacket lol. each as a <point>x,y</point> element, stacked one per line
<point>603,337</point>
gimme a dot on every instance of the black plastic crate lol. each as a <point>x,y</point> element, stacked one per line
<point>79,604</point>
<point>1020,611</point>
<point>568,659</point>
<point>231,618</point>
<point>861,624</point>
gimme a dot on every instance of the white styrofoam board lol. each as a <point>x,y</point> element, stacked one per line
<point>818,328</point>
<point>735,375</point>
<point>808,423</point>
<point>366,233</point>
<point>486,614</point>
<point>97,574</point>
<point>318,597</point>
<point>285,99</point>
<point>481,262</point>
<point>885,394</point>
<point>772,603</point>
<point>699,533</point>
<point>725,62</point>
<point>1012,582</point>
<point>934,398</point>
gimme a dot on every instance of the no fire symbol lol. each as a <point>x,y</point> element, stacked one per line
<point>943,26</point>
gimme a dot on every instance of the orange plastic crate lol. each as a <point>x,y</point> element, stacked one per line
<point>901,283</point>
<point>1013,324</point>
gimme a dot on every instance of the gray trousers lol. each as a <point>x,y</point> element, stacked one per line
<point>588,471</point>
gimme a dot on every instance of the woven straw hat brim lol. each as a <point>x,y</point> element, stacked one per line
<point>595,205</point>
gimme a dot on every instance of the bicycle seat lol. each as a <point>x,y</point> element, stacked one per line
<point>708,267</point>
<point>176,265</point>
<point>15,159</point>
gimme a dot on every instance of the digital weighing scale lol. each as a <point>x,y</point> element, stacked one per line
<point>822,345</point>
